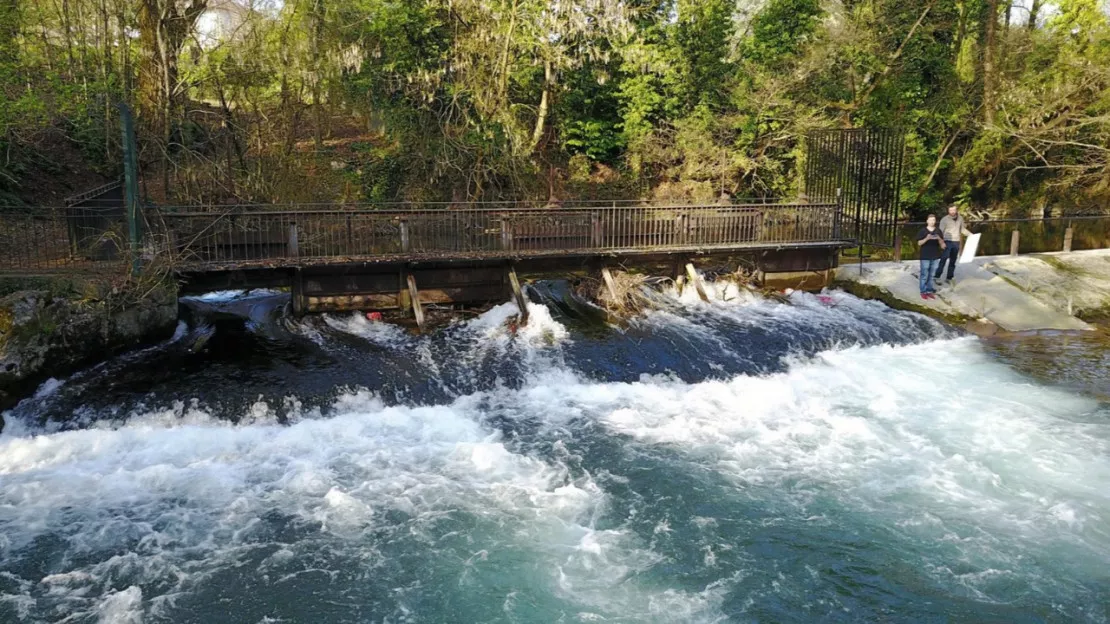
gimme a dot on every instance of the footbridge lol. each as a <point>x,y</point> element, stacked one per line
<point>380,257</point>
<point>388,256</point>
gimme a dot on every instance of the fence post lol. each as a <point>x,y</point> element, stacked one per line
<point>897,244</point>
<point>131,186</point>
<point>1067,238</point>
<point>1014,239</point>
<point>404,234</point>
<point>506,234</point>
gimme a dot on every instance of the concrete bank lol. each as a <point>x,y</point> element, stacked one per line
<point>1052,291</point>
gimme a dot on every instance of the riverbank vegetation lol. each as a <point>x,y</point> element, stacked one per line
<point>1004,104</point>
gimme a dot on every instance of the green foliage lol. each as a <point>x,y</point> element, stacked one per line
<point>780,30</point>
<point>429,99</point>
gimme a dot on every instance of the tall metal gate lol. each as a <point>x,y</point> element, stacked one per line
<point>862,167</point>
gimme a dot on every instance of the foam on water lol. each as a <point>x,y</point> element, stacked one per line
<point>180,496</point>
<point>856,482</point>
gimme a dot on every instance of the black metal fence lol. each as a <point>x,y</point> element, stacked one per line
<point>69,238</point>
<point>862,169</point>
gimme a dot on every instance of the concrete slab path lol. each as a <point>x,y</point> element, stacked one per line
<point>1016,293</point>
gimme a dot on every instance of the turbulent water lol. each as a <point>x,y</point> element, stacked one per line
<point>816,460</point>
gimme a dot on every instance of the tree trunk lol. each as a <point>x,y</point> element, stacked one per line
<point>545,104</point>
<point>1034,8</point>
<point>164,26</point>
<point>505,55</point>
<point>317,105</point>
<point>989,69</point>
<point>68,37</point>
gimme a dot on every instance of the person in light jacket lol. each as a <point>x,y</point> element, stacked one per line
<point>951,226</point>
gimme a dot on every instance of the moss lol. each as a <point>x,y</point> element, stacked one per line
<point>6,320</point>
<point>1062,266</point>
<point>869,291</point>
<point>1012,282</point>
<point>56,286</point>
<point>1100,314</point>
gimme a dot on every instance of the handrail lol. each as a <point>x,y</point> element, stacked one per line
<point>80,197</point>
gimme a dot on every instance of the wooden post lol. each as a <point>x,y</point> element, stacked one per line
<point>293,247</point>
<point>696,281</point>
<point>298,294</point>
<point>1067,239</point>
<point>898,245</point>
<point>506,234</point>
<point>414,297</point>
<point>610,285</point>
<point>405,235</point>
<point>595,230</point>
<point>1014,238</point>
<point>518,295</point>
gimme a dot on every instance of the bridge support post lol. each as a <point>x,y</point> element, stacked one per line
<point>405,244</point>
<point>518,295</point>
<point>1015,240</point>
<point>414,298</point>
<point>297,294</point>
<point>1067,239</point>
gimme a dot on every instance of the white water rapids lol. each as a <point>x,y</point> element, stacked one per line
<point>884,482</point>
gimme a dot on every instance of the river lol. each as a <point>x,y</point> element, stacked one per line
<point>823,459</point>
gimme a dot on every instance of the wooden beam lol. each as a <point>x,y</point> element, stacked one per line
<point>1015,240</point>
<point>414,297</point>
<point>696,281</point>
<point>1067,239</point>
<point>518,295</point>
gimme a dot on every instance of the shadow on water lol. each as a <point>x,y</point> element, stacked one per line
<point>1077,361</point>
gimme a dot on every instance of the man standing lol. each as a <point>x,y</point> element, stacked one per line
<point>932,247</point>
<point>951,226</point>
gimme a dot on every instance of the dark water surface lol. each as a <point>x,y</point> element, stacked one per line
<point>827,459</point>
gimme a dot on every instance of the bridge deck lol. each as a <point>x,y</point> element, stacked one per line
<point>82,239</point>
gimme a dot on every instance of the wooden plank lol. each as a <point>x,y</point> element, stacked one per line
<point>518,295</point>
<point>695,279</point>
<point>414,298</point>
<point>610,285</point>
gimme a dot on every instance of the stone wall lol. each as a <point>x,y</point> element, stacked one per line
<point>46,334</point>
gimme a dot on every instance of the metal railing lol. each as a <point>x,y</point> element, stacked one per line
<point>80,237</point>
<point>296,236</point>
<point>69,238</point>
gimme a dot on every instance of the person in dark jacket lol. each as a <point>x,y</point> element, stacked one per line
<point>931,242</point>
